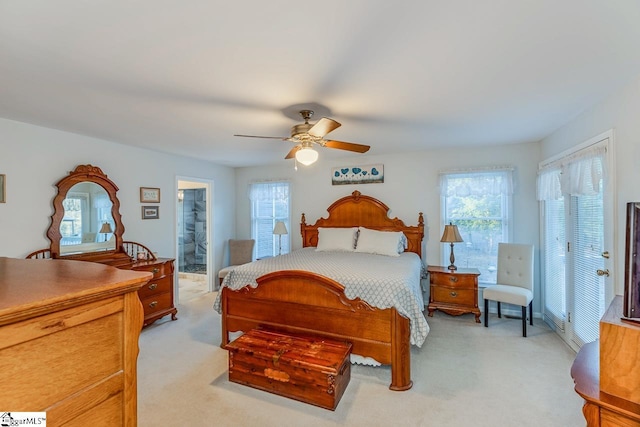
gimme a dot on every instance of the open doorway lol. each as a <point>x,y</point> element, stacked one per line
<point>193,228</point>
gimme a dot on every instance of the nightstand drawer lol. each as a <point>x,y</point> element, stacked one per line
<point>453,280</point>
<point>454,296</point>
<point>156,286</point>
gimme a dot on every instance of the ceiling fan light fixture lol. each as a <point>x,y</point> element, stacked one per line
<point>306,155</point>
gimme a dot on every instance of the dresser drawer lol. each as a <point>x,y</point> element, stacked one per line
<point>155,287</point>
<point>454,296</point>
<point>77,357</point>
<point>453,280</point>
<point>158,269</point>
<point>157,303</point>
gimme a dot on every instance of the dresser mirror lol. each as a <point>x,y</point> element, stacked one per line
<point>86,226</point>
<point>86,218</point>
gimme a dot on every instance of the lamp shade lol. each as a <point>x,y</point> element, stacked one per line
<point>451,234</point>
<point>280,228</point>
<point>106,228</point>
<point>306,155</point>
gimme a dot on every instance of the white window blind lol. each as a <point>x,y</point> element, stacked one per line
<point>555,302</point>
<point>588,223</point>
<point>269,204</point>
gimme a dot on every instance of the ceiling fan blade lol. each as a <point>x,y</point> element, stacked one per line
<point>323,127</point>
<point>349,146</point>
<point>293,152</point>
<point>266,137</point>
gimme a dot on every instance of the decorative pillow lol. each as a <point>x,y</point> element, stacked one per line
<point>336,239</point>
<point>403,243</point>
<point>388,243</point>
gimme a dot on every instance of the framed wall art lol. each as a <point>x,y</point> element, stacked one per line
<point>370,174</point>
<point>150,212</point>
<point>3,188</point>
<point>149,195</point>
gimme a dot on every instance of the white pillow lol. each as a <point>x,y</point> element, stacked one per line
<point>336,239</point>
<point>388,243</point>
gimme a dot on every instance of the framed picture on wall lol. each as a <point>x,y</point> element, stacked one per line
<point>150,212</point>
<point>149,195</point>
<point>3,188</point>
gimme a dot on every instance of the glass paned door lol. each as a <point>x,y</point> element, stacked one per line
<point>554,261</point>
<point>588,287</point>
<point>577,237</point>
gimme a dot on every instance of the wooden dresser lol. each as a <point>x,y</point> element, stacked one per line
<point>69,341</point>
<point>607,373</point>
<point>111,249</point>
<point>157,295</point>
<point>453,291</point>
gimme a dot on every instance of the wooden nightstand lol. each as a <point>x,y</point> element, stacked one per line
<point>453,291</point>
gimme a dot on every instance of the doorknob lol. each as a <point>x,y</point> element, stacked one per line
<point>605,254</point>
<point>602,272</point>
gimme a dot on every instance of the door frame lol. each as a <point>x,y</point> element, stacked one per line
<point>208,184</point>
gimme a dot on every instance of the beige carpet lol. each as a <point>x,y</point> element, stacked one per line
<point>191,286</point>
<point>464,375</point>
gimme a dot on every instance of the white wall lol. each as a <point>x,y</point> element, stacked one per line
<point>620,112</point>
<point>35,158</point>
<point>410,186</point>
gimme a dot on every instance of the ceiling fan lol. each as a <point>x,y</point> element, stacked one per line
<point>305,135</point>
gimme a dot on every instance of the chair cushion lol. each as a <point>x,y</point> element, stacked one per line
<point>508,294</point>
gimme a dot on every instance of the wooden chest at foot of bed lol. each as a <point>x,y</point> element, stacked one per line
<point>310,369</point>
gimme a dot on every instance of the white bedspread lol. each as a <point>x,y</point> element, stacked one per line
<point>381,281</point>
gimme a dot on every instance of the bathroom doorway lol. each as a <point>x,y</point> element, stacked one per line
<point>193,233</point>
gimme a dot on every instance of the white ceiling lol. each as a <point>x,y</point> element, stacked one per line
<point>184,76</point>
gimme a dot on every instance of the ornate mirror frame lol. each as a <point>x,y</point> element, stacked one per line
<point>84,173</point>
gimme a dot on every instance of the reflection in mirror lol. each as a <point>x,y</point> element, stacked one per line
<point>87,224</point>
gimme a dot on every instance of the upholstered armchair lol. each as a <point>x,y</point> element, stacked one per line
<point>240,252</point>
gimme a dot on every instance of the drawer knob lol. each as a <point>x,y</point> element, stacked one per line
<point>453,294</point>
<point>155,270</point>
<point>153,304</point>
<point>453,278</point>
<point>153,286</point>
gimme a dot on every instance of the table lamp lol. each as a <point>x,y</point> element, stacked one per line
<point>106,229</point>
<point>451,235</point>
<point>279,230</point>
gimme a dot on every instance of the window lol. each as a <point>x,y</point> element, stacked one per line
<point>269,204</point>
<point>479,203</point>
<point>75,218</point>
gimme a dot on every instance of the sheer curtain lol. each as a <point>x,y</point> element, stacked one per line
<point>478,201</point>
<point>579,174</point>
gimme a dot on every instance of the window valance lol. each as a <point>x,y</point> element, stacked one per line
<point>578,174</point>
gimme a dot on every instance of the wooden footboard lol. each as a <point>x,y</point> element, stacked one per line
<point>303,302</point>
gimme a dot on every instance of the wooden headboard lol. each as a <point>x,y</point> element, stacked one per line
<point>365,211</point>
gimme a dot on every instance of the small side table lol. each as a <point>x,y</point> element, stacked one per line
<point>454,292</point>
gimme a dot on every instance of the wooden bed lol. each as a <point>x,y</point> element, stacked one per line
<point>303,302</point>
